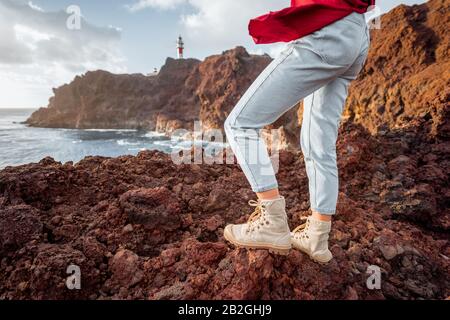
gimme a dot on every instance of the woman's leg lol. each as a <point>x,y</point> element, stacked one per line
<point>324,63</point>
<point>321,118</point>
<point>269,194</point>
<point>296,73</point>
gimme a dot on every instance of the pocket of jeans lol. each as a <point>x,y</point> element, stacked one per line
<point>340,43</point>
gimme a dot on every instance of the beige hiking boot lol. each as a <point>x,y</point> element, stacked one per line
<point>312,239</point>
<point>267,228</point>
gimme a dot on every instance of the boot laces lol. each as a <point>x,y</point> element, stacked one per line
<point>257,218</point>
<point>302,230</point>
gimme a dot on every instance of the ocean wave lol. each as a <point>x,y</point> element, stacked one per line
<point>123,142</point>
<point>154,134</point>
<point>137,149</point>
<point>165,143</point>
<point>217,144</point>
<point>110,130</point>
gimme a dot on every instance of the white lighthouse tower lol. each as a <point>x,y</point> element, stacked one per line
<point>180,47</point>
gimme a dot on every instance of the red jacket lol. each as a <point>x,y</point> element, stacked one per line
<point>302,18</point>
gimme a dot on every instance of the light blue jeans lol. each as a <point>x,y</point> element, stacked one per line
<point>317,68</point>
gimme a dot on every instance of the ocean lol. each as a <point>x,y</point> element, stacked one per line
<point>20,144</point>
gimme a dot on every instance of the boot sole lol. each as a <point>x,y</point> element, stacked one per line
<point>272,248</point>
<point>323,263</point>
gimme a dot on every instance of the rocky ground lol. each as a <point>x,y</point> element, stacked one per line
<point>144,228</point>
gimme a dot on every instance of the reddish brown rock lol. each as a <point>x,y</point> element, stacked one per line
<point>407,72</point>
<point>154,208</point>
<point>48,274</point>
<point>187,258</point>
<point>125,269</point>
<point>18,225</point>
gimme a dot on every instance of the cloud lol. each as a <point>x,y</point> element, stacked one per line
<point>225,21</point>
<point>34,6</point>
<point>37,50</point>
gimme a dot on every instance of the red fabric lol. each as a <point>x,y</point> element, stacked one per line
<point>302,18</point>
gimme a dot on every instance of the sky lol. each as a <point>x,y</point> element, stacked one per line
<point>42,46</point>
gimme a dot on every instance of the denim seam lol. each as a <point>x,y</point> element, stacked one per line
<point>245,162</point>
<point>315,182</point>
<point>253,180</point>
<point>309,125</point>
<point>313,196</point>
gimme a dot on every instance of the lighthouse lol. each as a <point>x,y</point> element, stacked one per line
<point>180,47</point>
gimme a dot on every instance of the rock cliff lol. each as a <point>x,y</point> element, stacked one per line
<point>182,92</point>
<point>407,74</point>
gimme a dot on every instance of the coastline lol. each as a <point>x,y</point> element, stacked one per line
<point>22,144</point>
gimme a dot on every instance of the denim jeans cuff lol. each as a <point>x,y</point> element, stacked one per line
<point>328,212</point>
<point>260,189</point>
